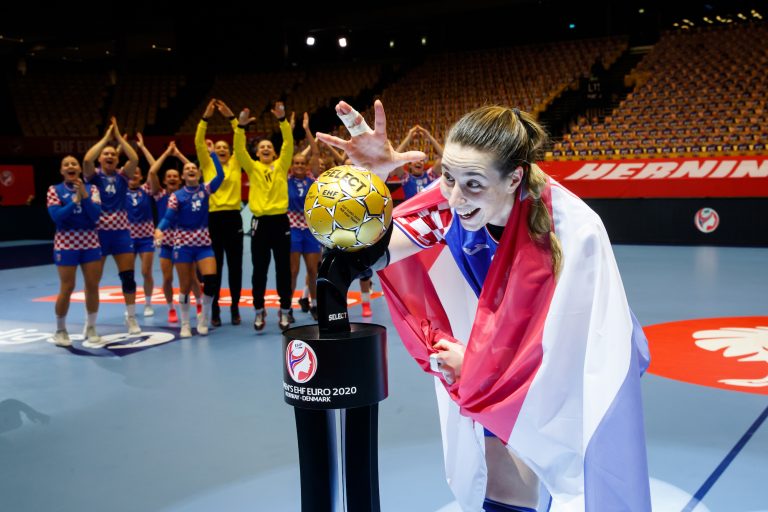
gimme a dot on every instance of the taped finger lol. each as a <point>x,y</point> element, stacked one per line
<point>354,127</point>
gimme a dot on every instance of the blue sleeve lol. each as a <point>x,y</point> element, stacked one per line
<point>93,210</point>
<point>169,220</point>
<point>216,182</point>
<point>60,213</point>
<point>95,179</point>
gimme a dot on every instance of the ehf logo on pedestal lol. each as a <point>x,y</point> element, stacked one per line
<point>301,361</point>
<point>706,220</point>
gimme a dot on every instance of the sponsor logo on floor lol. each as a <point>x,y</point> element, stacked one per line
<point>35,338</point>
<point>725,353</point>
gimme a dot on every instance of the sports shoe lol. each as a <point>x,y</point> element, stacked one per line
<point>291,319</point>
<point>260,320</point>
<point>90,335</point>
<point>92,339</point>
<point>313,312</point>
<point>304,303</point>
<point>61,339</point>
<point>285,320</point>
<point>148,311</point>
<point>235,312</point>
<point>216,321</point>
<point>367,309</point>
<point>202,325</point>
<point>186,331</point>
<point>172,316</point>
<point>133,325</point>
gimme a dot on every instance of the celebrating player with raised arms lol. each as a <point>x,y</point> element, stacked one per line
<point>188,212</point>
<point>113,226</point>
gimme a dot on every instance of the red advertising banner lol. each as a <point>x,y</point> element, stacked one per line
<point>17,184</point>
<point>669,177</point>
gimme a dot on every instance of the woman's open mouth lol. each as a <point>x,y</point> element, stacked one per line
<point>468,214</point>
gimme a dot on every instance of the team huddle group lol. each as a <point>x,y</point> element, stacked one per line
<point>103,209</point>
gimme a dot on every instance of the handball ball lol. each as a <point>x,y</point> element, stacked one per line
<point>348,208</point>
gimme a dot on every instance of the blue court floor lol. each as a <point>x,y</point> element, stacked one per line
<point>199,425</point>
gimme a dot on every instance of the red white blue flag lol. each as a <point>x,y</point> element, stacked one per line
<point>552,363</point>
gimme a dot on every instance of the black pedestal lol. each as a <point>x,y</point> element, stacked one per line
<point>344,371</point>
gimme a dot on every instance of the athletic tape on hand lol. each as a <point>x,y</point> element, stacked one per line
<point>349,122</point>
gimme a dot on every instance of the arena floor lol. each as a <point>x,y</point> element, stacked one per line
<point>200,424</point>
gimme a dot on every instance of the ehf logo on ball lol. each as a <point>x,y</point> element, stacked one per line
<point>706,220</point>
<point>301,361</point>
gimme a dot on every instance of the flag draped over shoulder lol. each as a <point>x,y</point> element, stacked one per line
<point>552,365</point>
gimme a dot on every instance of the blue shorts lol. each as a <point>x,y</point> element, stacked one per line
<point>116,241</point>
<point>75,257</point>
<point>166,252</point>
<point>192,253</point>
<point>303,241</point>
<point>146,244</point>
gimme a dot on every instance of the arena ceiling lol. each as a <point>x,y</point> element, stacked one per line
<point>272,34</point>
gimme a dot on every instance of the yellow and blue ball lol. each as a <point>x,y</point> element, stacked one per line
<point>348,208</point>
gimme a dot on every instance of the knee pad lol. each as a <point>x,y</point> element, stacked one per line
<point>128,282</point>
<point>209,285</point>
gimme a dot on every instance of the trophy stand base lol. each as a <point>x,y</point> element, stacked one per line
<point>338,454</point>
<point>323,487</point>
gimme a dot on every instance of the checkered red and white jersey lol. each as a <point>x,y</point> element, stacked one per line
<point>113,221</point>
<point>53,199</point>
<point>77,230</point>
<point>426,227</point>
<point>192,238</point>
<point>160,194</point>
<point>169,237</point>
<point>142,230</point>
<point>76,239</point>
<point>297,220</point>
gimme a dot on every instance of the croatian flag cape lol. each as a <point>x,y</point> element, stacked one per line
<point>552,363</point>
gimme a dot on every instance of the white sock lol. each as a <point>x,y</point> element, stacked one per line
<point>148,300</point>
<point>130,309</point>
<point>170,305</point>
<point>207,303</point>
<point>61,323</point>
<point>366,296</point>
<point>91,319</point>
<point>184,307</point>
<point>314,303</point>
<point>305,293</point>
